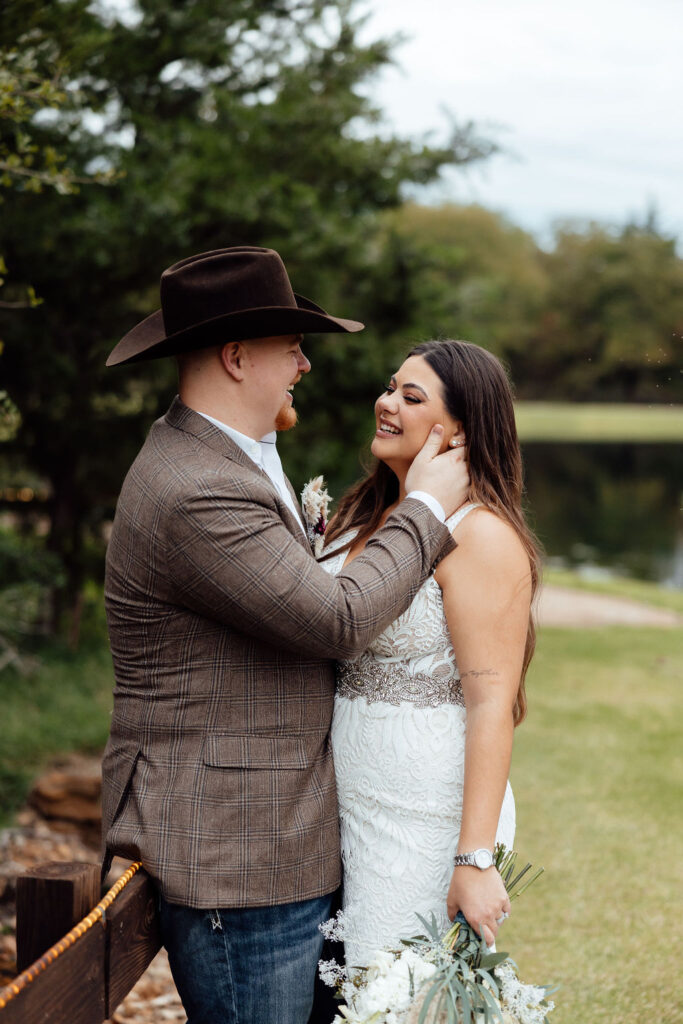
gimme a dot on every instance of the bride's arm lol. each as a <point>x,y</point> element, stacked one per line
<point>486,586</point>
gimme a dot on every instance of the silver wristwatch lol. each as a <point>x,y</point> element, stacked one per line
<point>481,858</point>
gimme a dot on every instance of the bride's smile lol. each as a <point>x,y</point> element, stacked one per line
<point>407,410</point>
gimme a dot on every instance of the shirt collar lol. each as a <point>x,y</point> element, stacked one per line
<point>249,445</point>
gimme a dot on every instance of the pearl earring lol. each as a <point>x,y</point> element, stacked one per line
<point>454,443</point>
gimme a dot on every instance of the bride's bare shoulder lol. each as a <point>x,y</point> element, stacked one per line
<point>485,543</point>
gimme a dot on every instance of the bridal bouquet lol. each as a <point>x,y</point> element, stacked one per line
<point>440,979</point>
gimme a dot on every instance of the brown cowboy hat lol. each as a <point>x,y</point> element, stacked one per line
<point>225,295</point>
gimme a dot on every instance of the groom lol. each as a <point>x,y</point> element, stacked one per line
<point>218,773</point>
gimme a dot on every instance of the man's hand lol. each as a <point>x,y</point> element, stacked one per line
<point>445,477</point>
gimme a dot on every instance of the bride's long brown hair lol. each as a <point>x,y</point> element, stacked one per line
<point>477,392</point>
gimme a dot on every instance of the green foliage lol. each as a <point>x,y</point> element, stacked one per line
<point>26,87</point>
<point>10,419</point>
<point>612,327</point>
<point>470,274</point>
<point>63,706</point>
<point>27,572</point>
<point>222,122</point>
<point>32,77</point>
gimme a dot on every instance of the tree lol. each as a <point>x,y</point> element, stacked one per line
<point>612,326</point>
<point>225,121</point>
<point>30,84</point>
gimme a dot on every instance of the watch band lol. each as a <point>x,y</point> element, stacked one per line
<point>481,858</point>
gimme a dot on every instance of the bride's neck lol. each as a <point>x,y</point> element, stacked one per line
<point>401,477</point>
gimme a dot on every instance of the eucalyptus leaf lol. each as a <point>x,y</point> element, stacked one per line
<point>428,1001</point>
<point>493,959</point>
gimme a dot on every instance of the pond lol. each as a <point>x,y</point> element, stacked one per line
<point>610,507</point>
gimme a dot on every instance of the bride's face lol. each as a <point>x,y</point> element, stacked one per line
<point>407,410</point>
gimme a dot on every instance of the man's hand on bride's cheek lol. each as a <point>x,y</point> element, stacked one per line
<point>481,897</point>
<point>445,476</point>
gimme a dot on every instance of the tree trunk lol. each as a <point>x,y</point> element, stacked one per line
<point>66,540</point>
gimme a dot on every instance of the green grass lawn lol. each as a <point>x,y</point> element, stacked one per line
<point>636,590</point>
<point>577,421</point>
<point>63,707</point>
<point>598,778</point>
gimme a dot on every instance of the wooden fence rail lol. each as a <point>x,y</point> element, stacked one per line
<point>78,960</point>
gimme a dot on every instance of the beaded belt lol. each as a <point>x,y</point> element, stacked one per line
<point>393,684</point>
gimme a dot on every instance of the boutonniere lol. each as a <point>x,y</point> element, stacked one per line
<point>315,502</point>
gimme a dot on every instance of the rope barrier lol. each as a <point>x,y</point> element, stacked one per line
<point>22,980</point>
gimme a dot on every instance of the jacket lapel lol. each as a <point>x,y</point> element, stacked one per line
<point>183,418</point>
<point>297,503</point>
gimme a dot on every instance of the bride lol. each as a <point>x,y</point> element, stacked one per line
<point>424,718</point>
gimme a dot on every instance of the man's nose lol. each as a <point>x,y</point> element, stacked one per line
<point>303,363</point>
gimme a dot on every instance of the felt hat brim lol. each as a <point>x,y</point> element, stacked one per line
<point>148,339</point>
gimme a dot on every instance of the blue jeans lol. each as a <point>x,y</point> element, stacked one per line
<point>255,965</point>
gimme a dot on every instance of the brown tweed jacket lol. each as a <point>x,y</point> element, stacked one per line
<point>218,773</point>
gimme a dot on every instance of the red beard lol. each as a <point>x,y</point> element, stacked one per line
<point>286,418</point>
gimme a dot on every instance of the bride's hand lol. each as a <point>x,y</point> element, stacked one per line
<point>481,897</point>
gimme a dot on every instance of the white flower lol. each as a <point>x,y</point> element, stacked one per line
<point>315,503</point>
<point>331,973</point>
<point>381,964</point>
<point>526,1003</point>
<point>391,981</point>
<point>335,927</point>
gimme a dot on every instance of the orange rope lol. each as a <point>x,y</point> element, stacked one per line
<point>22,980</point>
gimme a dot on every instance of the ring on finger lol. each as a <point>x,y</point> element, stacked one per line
<point>503,917</point>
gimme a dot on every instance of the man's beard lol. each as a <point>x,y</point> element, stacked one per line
<point>286,418</point>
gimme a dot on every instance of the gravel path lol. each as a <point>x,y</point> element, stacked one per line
<point>562,606</point>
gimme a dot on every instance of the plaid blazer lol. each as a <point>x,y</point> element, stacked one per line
<point>218,773</point>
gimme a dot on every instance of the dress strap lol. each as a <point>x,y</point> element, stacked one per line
<point>460,514</point>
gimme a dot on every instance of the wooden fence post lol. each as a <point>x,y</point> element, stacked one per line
<point>81,954</point>
<point>51,899</point>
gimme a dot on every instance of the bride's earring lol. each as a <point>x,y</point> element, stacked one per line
<point>454,443</point>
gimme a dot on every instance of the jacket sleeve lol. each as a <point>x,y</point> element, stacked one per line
<point>233,560</point>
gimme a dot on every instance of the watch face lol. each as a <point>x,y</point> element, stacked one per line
<point>483,859</point>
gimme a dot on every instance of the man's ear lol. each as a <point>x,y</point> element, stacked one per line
<point>232,357</point>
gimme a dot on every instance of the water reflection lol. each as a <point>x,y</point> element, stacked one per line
<point>611,505</point>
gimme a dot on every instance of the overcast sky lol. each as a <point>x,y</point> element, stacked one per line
<point>587,95</point>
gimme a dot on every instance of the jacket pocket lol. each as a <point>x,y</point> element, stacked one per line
<point>259,752</point>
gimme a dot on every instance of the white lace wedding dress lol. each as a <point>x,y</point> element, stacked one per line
<point>398,737</point>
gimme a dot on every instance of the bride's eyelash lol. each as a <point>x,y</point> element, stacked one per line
<point>389,390</point>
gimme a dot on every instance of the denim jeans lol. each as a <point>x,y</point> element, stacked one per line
<point>255,965</point>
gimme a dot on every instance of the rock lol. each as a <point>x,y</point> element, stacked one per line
<point>70,794</point>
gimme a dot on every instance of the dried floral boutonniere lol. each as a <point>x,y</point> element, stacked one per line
<point>315,502</point>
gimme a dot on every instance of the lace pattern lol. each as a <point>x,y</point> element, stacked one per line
<point>393,684</point>
<point>399,760</point>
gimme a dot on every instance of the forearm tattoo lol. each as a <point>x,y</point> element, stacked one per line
<point>476,673</point>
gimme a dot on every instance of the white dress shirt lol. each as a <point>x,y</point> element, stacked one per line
<point>265,454</point>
